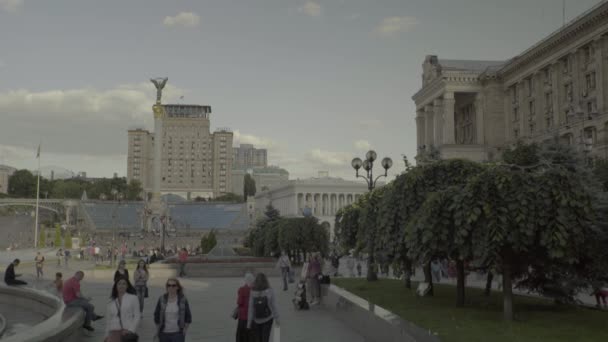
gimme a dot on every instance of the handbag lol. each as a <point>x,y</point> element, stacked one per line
<point>130,336</point>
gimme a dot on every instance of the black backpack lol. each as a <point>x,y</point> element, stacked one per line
<point>261,309</point>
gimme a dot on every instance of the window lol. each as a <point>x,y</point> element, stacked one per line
<point>549,101</point>
<point>549,121</point>
<point>532,126</point>
<point>590,81</point>
<point>591,107</point>
<point>567,64</point>
<point>568,91</point>
<point>514,93</point>
<point>530,86</point>
<point>547,75</point>
<point>532,106</point>
<point>516,133</point>
<point>515,114</point>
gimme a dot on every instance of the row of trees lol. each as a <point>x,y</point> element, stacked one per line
<point>297,236</point>
<point>530,218</point>
<point>22,184</point>
<point>67,238</point>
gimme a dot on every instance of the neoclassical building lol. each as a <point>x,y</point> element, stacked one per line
<point>555,90</point>
<point>321,197</point>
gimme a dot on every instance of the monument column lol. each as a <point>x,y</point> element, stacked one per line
<point>420,127</point>
<point>448,118</point>
<point>428,120</point>
<point>438,121</point>
<point>479,120</point>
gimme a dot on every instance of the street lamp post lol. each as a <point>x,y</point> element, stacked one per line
<point>368,165</point>
<point>117,198</point>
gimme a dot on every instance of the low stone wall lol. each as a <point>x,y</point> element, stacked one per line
<point>60,323</point>
<point>371,321</point>
<point>209,270</point>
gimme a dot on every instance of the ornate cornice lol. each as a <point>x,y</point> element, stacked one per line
<point>579,26</point>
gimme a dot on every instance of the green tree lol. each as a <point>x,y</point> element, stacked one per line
<point>248,186</point>
<point>42,237</point>
<point>229,197</point>
<point>68,239</point>
<point>208,241</point>
<point>134,190</point>
<point>22,184</point>
<point>57,235</point>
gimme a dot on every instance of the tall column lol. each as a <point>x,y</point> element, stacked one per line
<point>430,130</point>
<point>158,148</point>
<point>598,45</point>
<point>479,120</point>
<point>555,71</point>
<point>296,205</point>
<point>438,121</point>
<point>448,118</point>
<point>420,128</point>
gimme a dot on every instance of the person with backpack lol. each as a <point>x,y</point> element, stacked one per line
<point>262,310</point>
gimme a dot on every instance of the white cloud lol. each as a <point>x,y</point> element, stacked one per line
<point>185,19</point>
<point>79,121</point>
<point>362,145</point>
<point>311,8</point>
<point>11,5</point>
<point>329,158</point>
<point>257,142</point>
<point>393,25</point>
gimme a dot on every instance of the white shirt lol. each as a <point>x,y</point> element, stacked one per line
<point>171,317</point>
<point>129,314</point>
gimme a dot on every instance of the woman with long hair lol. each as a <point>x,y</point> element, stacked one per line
<point>122,271</point>
<point>172,314</point>
<point>262,309</point>
<point>242,333</point>
<point>140,277</point>
<point>122,312</point>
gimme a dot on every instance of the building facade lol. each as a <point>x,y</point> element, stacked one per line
<point>194,161</point>
<point>555,90</point>
<point>265,178</point>
<point>320,197</point>
<point>246,156</point>
<point>5,173</point>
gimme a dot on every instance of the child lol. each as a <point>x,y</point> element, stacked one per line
<point>59,283</point>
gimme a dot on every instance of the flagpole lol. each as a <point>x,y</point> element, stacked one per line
<point>37,201</point>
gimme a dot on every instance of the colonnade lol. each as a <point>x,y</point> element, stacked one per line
<point>324,204</point>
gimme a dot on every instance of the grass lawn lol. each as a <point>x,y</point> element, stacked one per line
<point>481,319</point>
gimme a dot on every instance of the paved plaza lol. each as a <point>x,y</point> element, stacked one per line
<point>211,301</point>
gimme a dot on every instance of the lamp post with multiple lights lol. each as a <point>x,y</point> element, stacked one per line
<point>368,165</point>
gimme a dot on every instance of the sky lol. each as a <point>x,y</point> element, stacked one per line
<point>316,82</point>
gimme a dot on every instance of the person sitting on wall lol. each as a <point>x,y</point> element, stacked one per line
<point>10,276</point>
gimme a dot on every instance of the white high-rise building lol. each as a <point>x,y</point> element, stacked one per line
<point>194,161</point>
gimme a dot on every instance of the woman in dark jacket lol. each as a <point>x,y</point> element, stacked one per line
<point>242,333</point>
<point>172,314</point>
<point>122,271</point>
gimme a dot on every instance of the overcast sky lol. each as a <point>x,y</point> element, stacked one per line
<point>315,82</point>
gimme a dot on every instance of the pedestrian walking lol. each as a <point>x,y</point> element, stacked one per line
<point>243,334</point>
<point>59,255</point>
<point>314,272</point>
<point>123,313</point>
<point>73,297</point>
<point>262,311</point>
<point>39,259</point>
<point>284,264</point>
<point>182,258</point>
<point>10,277</point>
<point>140,278</point>
<point>172,313</point>
<point>122,271</point>
<point>66,256</point>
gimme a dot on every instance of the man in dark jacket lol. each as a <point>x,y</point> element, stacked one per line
<point>10,276</point>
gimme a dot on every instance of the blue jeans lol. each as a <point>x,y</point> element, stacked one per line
<point>171,337</point>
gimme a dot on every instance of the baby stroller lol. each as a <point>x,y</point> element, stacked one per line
<point>299,300</point>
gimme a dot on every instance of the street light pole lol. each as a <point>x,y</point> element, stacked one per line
<point>368,165</point>
<point>117,197</point>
